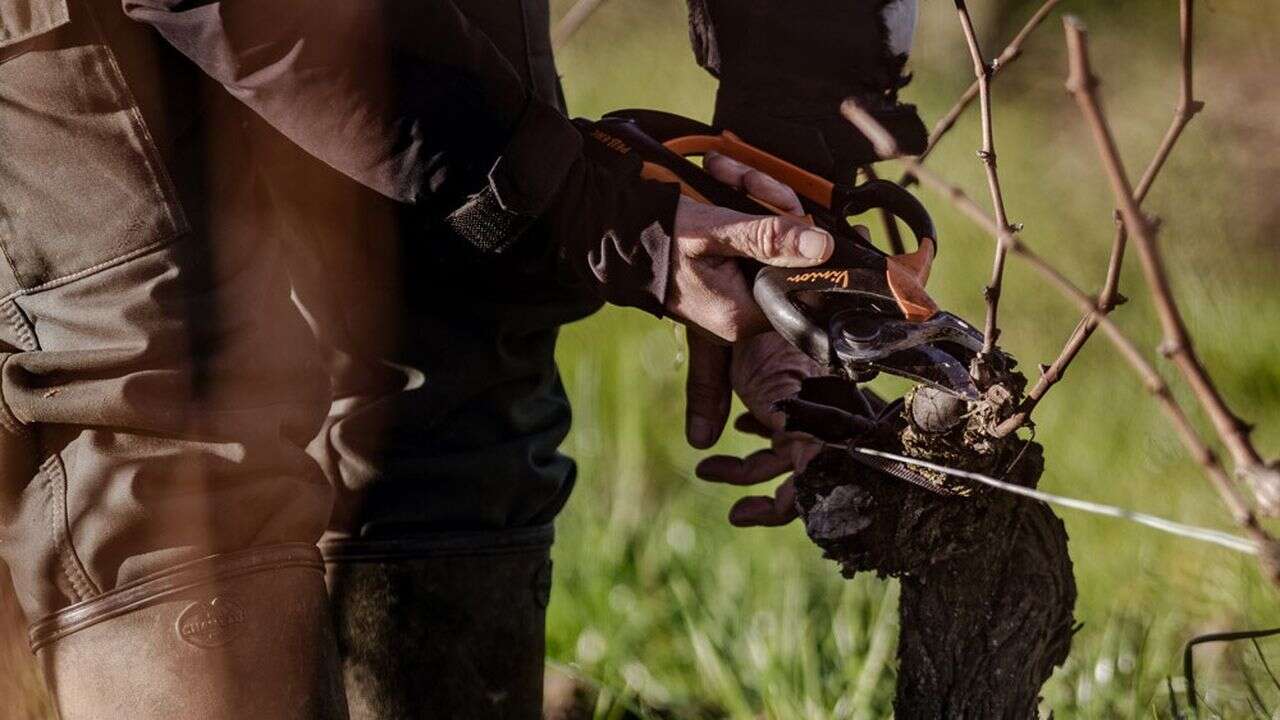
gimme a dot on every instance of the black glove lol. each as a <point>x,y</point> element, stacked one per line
<point>784,68</point>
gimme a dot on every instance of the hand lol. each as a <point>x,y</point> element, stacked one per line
<point>711,286</point>
<point>763,370</point>
<point>707,289</point>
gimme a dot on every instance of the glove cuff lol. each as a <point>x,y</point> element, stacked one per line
<point>522,183</point>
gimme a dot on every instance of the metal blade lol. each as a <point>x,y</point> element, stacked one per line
<point>864,335</point>
<point>937,351</point>
<point>931,365</point>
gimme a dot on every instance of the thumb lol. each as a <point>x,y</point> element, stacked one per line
<point>775,240</point>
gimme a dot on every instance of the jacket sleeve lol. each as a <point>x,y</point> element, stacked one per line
<point>413,101</point>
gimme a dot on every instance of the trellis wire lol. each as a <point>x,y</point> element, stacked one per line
<point>1227,540</point>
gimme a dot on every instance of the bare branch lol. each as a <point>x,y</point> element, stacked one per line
<point>1177,344</point>
<point>1012,52</point>
<point>1109,298</point>
<point>987,154</point>
<point>881,139</point>
<point>572,21</point>
<point>1240,509</point>
<point>891,230</point>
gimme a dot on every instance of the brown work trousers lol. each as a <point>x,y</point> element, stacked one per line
<point>204,332</point>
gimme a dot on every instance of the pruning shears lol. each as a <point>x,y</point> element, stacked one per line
<point>863,311</point>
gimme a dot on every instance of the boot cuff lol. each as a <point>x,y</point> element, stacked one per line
<point>437,545</point>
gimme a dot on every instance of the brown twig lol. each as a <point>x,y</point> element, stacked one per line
<point>987,154</point>
<point>572,21</point>
<point>1110,297</point>
<point>1176,344</point>
<point>1012,52</point>
<point>891,231</point>
<point>1240,509</point>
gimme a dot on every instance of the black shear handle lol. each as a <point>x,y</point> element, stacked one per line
<point>772,293</point>
<point>849,200</point>
<point>901,277</point>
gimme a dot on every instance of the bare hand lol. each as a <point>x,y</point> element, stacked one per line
<point>763,370</point>
<point>710,286</point>
<point>707,289</point>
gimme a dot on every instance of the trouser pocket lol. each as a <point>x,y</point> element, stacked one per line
<point>81,183</point>
<point>21,20</point>
<point>161,371</point>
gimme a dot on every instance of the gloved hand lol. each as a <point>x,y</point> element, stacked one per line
<point>784,68</point>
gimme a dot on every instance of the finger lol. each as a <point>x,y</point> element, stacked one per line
<point>755,183</point>
<point>725,169</point>
<point>774,240</point>
<point>772,191</point>
<point>764,511</point>
<point>760,466</point>
<point>707,391</point>
<point>749,424</point>
<point>766,369</point>
<point>798,448</point>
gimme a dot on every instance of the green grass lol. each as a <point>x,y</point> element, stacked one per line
<point>663,604</point>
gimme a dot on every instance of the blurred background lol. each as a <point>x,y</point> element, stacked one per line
<point>665,611</point>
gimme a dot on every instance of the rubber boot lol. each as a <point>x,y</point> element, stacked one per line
<point>447,626</point>
<point>240,635</point>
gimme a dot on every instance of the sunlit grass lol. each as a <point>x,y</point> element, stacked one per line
<point>660,601</point>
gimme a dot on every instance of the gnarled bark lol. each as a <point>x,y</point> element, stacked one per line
<point>987,585</point>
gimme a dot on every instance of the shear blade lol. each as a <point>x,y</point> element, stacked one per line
<point>935,367</point>
<point>936,351</point>
<point>929,364</point>
<point>869,336</point>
